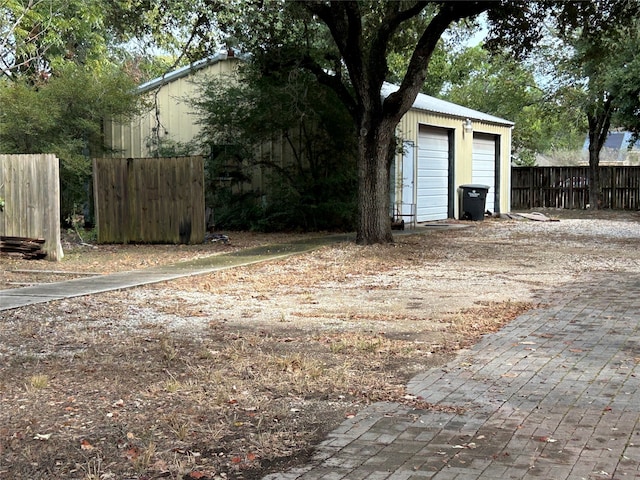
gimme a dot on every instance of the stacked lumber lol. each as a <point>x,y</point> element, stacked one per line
<point>29,248</point>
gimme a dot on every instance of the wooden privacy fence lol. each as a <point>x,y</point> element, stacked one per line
<point>149,200</point>
<point>568,187</point>
<point>30,189</point>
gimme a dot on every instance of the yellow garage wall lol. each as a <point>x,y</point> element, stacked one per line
<point>178,123</point>
<point>174,114</point>
<point>463,141</point>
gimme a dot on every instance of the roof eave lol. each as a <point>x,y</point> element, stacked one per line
<point>184,71</point>
<point>429,104</point>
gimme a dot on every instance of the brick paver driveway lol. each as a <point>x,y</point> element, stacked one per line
<point>554,395</point>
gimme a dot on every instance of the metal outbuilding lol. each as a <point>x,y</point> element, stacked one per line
<point>445,145</point>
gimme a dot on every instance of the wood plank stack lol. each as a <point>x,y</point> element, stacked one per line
<point>29,248</point>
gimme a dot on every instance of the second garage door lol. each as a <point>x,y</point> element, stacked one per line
<point>432,199</point>
<point>484,166</point>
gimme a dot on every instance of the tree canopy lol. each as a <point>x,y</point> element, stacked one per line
<point>347,46</point>
<point>509,88</point>
<point>601,41</point>
<point>59,80</point>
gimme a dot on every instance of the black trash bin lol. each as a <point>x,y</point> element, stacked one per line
<point>472,201</point>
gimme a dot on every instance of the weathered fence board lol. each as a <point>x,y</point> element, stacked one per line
<point>30,187</point>
<point>149,200</point>
<point>568,187</point>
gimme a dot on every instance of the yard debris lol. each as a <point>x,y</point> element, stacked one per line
<point>29,248</point>
<point>536,216</point>
<point>216,237</point>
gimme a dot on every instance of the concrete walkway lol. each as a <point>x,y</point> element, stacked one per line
<point>46,292</point>
<point>554,395</point>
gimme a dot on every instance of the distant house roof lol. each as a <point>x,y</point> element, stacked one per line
<point>617,141</point>
<point>436,105</point>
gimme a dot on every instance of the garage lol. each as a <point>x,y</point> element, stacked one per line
<point>484,166</point>
<point>433,173</point>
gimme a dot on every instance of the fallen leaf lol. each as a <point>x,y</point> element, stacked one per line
<point>132,453</point>
<point>236,459</point>
<point>85,445</point>
<point>197,475</point>
<point>42,436</point>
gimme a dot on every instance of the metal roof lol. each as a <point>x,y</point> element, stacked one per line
<point>184,71</point>
<point>422,102</point>
<point>436,105</point>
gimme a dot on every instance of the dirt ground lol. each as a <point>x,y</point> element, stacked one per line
<point>240,373</point>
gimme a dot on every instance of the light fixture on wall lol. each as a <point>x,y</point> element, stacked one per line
<point>468,126</point>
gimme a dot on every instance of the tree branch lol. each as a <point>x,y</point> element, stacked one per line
<point>334,82</point>
<point>380,43</point>
<point>400,101</point>
<point>345,24</point>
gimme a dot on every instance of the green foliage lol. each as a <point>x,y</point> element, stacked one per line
<point>600,43</point>
<point>596,64</point>
<point>167,147</point>
<point>59,83</point>
<point>63,115</point>
<point>624,79</point>
<point>508,88</point>
<point>524,158</point>
<point>293,133</point>
<point>36,38</point>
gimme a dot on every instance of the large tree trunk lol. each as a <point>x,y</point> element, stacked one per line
<point>595,193</point>
<point>599,123</point>
<point>375,153</point>
<point>363,48</point>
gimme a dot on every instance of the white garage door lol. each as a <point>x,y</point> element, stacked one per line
<point>484,166</point>
<point>432,202</point>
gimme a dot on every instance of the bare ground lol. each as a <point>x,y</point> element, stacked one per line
<point>239,373</point>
